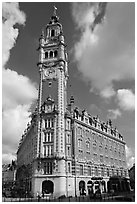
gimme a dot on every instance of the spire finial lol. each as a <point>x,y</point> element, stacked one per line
<point>55,11</point>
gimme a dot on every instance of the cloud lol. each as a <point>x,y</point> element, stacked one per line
<point>16,88</point>
<point>105,55</point>
<point>89,13</point>
<point>18,91</point>
<point>94,110</point>
<point>113,114</point>
<point>129,156</point>
<point>11,15</point>
<point>126,99</point>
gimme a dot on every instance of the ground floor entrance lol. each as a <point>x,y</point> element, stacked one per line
<point>47,187</point>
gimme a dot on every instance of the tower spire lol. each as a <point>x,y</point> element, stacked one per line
<point>54,17</point>
<point>55,10</point>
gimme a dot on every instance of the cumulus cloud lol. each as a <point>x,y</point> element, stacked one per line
<point>16,88</point>
<point>18,92</point>
<point>129,156</point>
<point>11,15</point>
<point>126,99</point>
<point>113,113</point>
<point>104,52</point>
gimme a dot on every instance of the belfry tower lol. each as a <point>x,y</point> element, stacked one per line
<point>52,100</point>
<point>65,150</point>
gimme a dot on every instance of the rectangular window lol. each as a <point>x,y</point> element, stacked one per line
<point>81,170</point>
<point>94,146</point>
<point>106,159</point>
<point>48,168</point>
<point>51,149</point>
<point>44,151</point>
<point>52,135</point>
<point>45,137</point>
<point>106,149</point>
<point>46,123</point>
<point>80,153</point>
<point>89,171</point>
<point>69,167</point>
<point>68,139</point>
<point>48,150</point>
<point>68,126</point>
<point>95,157</point>
<point>79,131</point>
<point>48,136</point>
<point>52,122</point>
<point>96,171</point>
<point>101,158</point>
<point>107,172</point>
<point>68,151</point>
<point>80,143</point>
<point>49,123</point>
<point>102,171</point>
<point>100,148</point>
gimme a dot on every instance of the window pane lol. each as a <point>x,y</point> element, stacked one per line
<point>81,169</point>
<point>96,171</point>
<point>46,55</point>
<point>52,33</point>
<point>55,53</point>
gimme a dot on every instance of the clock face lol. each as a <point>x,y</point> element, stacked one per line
<point>49,73</point>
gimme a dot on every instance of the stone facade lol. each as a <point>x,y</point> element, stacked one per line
<point>67,150</point>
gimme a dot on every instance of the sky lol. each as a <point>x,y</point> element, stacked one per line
<point>100,42</point>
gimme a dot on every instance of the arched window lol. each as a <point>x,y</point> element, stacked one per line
<point>52,33</point>
<point>87,145</point>
<point>51,54</point>
<point>46,55</point>
<point>55,53</point>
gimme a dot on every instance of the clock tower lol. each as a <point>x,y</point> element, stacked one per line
<point>53,70</point>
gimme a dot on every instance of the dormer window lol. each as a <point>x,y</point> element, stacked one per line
<point>52,33</point>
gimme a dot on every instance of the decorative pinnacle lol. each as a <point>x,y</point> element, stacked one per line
<point>55,11</point>
<point>42,32</point>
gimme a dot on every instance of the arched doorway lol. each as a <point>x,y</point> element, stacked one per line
<point>47,187</point>
<point>82,187</point>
